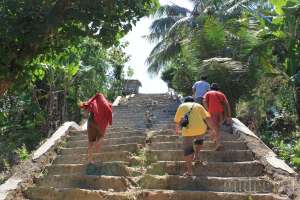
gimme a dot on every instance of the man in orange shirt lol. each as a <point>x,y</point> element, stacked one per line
<point>217,105</point>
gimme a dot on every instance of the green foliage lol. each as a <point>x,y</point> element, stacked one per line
<point>30,29</point>
<point>22,152</point>
<point>296,155</point>
<point>59,81</point>
<point>214,33</point>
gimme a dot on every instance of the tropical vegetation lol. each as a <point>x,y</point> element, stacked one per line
<point>54,54</point>
<point>252,48</point>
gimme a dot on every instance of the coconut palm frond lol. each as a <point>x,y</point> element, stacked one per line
<point>180,24</point>
<point>172,10</point>
<point>153,37</point>
<point>162,53</point>
<point>162,25</point>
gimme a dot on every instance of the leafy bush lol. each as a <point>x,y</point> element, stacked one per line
<point>22,152</point>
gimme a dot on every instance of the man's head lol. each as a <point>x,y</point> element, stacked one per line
<point>188,99</point>
<point>203,78</point>
<point>214,86</point>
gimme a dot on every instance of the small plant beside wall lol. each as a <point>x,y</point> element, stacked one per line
<point>22,152</point>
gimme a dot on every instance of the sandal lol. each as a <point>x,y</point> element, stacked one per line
<point>199,162</point>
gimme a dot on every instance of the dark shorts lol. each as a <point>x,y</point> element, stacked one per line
<point>94,131</point>
<point>199,100</point>
<point>189,142</point>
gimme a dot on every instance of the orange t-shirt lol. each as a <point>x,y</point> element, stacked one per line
<point>215,101</point>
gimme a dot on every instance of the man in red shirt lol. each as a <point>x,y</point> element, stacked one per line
<point>217,105</point>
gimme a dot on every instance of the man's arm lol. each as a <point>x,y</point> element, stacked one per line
<point>210,124</point>
<point>228,113</point>
<point>205,104</point>
<point>194,91</point>
<point>177,128</point>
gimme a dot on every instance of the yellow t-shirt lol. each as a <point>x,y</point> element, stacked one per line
<point>196,125</point>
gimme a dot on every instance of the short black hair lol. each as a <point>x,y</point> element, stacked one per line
<point>188,99</point>
<point>214,86</point>
<point>204,77</point>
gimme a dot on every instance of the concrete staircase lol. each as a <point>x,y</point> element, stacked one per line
<point>142,159</point>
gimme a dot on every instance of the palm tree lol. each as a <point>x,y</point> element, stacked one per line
<point>168,44</point>
<point>170,30</point>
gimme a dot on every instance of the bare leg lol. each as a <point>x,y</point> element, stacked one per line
<point>98,145</point>
<point>188,162</point>
<point>219,146</point>
<point>90,152</point>
<point>217,135</point>
<point>197,152</point>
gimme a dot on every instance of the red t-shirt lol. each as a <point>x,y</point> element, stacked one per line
<point>214,101</point>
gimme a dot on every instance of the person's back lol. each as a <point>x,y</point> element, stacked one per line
<point>219,109</point>
<point>215,101</point>
<point>199,89</point>
<point>194,132</point>
<point>198,114</point>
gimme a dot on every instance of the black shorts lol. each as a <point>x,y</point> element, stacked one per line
<point>189,142</point>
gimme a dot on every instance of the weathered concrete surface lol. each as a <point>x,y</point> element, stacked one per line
<point>289,181</point>
<point>206,183</point>
<point>160,168</point>
<point>80,194</point>
<point>104,157</point>
<point>110,141</point>
<point>114,183</point>
<point>208,145</point>
<point>204,155</point>
<point>199,195</point>
<point>24,173</point>
<point>61,132</point>
<point>221,169</point>
<point>114,168</point>
<point>10,184</point>
<point>131,147</point>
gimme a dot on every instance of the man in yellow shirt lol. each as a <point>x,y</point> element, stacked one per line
<point>193,133</point>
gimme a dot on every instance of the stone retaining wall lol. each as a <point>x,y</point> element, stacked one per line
<point>288,180</point>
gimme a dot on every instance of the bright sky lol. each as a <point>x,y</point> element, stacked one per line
<point>139,49</point>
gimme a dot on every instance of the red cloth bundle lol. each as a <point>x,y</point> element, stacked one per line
<point>101,109</point>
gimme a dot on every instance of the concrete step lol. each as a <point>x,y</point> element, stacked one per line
<point>119,129</point>
<point>208,145</point>
<point>103,157</point>
<point>109,141</point>
<point>109,131</point>
<point>46,193</point>
<point>131,147</point>
<point>199,195</point>
<point>174,138</point>
<point>221,169</point>
<point>108,135</point>
<point>157,124</point>
<point>114,168</point>
<point>207,155</point>
<point>205,183</point>
<point>86,182</point>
